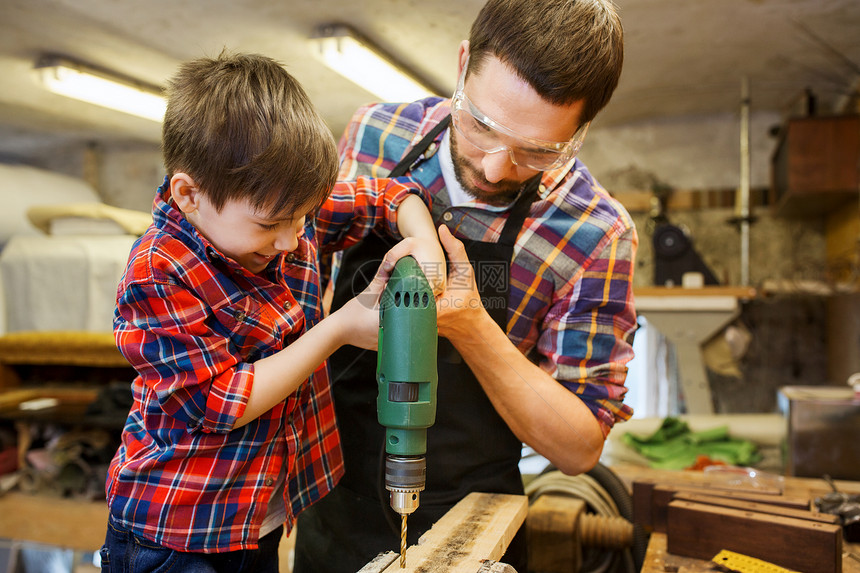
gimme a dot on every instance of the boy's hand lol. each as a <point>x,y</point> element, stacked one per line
<point>360,315</point>
<point>430,256</point>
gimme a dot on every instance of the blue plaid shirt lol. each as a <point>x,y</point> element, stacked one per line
<point>571,279</point>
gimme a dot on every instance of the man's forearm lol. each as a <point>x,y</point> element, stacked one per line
<point>540,411</point>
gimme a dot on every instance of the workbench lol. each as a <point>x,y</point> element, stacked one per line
<point>659,560</point>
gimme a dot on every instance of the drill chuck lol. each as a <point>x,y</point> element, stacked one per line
<point>405,477</point>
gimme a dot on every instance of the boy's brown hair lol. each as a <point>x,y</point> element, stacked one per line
<point>567,50</point>
<point>243,128</point>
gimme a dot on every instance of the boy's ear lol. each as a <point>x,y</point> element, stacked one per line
<point>185,192</point>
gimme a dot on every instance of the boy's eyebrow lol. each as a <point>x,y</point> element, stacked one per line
<point>270,218</point>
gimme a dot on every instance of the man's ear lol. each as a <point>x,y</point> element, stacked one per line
<point>462,56</point>
<point>185,192</point>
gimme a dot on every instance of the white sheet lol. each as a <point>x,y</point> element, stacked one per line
<point>61,283</point>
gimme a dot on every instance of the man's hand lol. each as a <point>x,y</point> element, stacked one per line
<point>431,258</point>
<point>460,305</point>
<point>415,223</point>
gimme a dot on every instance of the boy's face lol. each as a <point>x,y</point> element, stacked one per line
<point>246,235</point>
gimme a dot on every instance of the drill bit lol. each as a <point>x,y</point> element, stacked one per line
<point>403,541</point>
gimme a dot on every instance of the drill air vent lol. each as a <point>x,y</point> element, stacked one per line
<point>407,299</point>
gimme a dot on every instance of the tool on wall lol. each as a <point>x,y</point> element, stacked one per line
<point>406,377</point>
<point>674,255</point>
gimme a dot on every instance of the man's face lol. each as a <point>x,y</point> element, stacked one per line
<point>508,100</point>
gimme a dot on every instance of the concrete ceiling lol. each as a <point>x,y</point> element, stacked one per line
<point>683,57</point>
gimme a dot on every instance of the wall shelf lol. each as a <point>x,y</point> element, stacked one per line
<point>816,166</point>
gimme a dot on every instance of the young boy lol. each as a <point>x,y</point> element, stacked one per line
<point>232,431</point>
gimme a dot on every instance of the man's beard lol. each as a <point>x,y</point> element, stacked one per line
<point>503,192</point>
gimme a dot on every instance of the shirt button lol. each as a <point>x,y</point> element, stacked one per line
<point>287,305</point>
<point>269,481</point>
<point>291,257</point>
<point>239,315</point>
<point>447,216</point>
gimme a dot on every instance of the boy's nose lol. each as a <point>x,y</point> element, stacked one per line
<point>287,241</point>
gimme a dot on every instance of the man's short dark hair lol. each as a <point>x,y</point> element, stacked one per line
<point>567,50</point>
<point>243,128</point>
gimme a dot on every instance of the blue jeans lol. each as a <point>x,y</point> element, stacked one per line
<point>125,552</point>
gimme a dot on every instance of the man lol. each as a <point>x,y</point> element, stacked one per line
<point>533,350</point>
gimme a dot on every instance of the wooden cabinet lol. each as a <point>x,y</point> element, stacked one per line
<point>816,166</point>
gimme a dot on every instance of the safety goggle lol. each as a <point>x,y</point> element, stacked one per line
<point>491,137</point>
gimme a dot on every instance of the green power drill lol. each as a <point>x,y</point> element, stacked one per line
<point>406,377</point>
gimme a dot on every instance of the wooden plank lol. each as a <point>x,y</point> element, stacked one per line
<point>658,560</point>
<point>662,494</point>
<point>643,491</point>
<point>701,531</point>
<point>758,507</point>
<point>479,527</point>
<point>743,293</point>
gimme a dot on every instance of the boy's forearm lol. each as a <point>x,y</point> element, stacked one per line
<point>414,219</point>
<point>279,375</point>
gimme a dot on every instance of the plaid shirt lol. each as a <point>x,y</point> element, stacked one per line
<point>192,322</point>
<point>571,279</point>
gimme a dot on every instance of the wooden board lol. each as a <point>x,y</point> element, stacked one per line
<point>658,560</point>
<point>478,528</point>
<point>701,531</point>
<point>662,494</point>
<point>758,507</point>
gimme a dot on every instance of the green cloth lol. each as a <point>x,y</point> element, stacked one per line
<point>673,446</point>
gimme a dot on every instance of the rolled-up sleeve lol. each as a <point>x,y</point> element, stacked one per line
<point>588,333</point>
<point>356,208</point>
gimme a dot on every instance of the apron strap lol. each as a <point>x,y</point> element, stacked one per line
<point>410,158</point>
<point>519,212</point>
<point>521,207</point>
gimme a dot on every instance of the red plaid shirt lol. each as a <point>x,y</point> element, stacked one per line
<point>193,322</point>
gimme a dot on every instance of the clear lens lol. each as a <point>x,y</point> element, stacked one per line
<point>489,137</point>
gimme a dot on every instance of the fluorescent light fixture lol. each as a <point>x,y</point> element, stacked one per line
<point>341,49</point>
<point>76,80</point>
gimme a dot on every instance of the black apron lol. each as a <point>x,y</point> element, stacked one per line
<point>469,448</point>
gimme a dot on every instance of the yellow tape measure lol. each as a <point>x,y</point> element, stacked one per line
<point>746,564</point>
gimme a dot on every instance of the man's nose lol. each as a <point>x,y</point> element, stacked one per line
<point>497,165</point>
